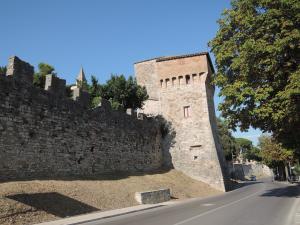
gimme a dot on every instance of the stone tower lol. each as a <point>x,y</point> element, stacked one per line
<point>180,90</point>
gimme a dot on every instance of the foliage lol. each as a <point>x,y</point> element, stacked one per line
<point>40,77</point>
<point>95,92</point>
<point>124,93</point>
<point>253,153</point>
<point>257,57</point>
<point>244,144</point>
<point>2,70</point>
<point>228,142</point>
<point>273,154</point>
<point>247,150</point>
<point>297,169</point>
<point>95,101</point>
<point>83,84</point>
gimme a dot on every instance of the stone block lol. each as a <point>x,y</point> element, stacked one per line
<point>80,96</point>
<point>153,197</point>
<point>20,70</point>
<point>129,111</point>
<point>55,85</point>
<point>105,104</point>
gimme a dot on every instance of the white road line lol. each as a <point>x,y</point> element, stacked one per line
<point>213,210</point>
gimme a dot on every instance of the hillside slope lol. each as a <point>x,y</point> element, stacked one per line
<point>28,202</point>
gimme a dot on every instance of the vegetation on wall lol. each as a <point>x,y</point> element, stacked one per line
<point>121,92</point>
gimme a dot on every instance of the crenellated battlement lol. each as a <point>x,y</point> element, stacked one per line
<point>20,70</point>
<point>22,73</point>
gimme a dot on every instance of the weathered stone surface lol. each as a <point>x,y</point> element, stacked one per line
<point>180,91</point>
<point>55,85</point>
<point>45,135</point>
<point>81,96</point>
<point>153,197</point>
<point>243,171</point>
<point>20,70</point>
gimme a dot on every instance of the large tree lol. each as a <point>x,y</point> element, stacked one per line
<point>257,50</point>
<point>275,155</point>
<point>247,150</point>
<point>228,142</point>
<point>124,93</point>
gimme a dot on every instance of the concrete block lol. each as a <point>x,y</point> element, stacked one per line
<point>152,197</point>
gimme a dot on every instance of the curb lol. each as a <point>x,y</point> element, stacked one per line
<point>74,220</point>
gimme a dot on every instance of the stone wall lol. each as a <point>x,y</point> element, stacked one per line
<point>43,134</point>
<point>243,171</point>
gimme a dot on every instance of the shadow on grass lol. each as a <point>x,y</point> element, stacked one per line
<point>54,203</point>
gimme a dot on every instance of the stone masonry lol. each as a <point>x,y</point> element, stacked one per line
<point>44,134</point>
<point>180,90</point>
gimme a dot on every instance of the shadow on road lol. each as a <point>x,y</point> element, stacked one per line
<point>54,203</point>
<point>236,185</point>
<point>289,192</point>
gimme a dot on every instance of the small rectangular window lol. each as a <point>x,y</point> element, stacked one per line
<point>161,83</point>
<point>186,111</point>
<point>194,77</point>
<point>180,78</point>
<point>188,79</point>
<point>167,82</point>
<point>173,81</point>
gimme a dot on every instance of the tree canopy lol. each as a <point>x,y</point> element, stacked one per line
<point>273,154</point>
<point>95,90</point>
<point>121,92</point>
<point>124,93</point>
<point>257,51</point>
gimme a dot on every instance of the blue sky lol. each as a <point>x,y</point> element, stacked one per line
<point>106,36</point>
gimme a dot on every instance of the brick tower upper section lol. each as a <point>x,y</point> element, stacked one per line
<point>165,74</point>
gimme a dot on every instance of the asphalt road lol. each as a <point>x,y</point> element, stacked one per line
<point>257,203</point>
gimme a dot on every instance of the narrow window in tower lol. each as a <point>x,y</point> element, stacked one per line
<point>161,83</point>
<point>188,79</point>
<point>186,111</point>
<point>173,81</point>
<point>180,78</point>
<point>194,78</point>
<point>167,82</point>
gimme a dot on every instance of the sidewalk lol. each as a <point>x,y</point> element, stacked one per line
<point>106,214</point>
